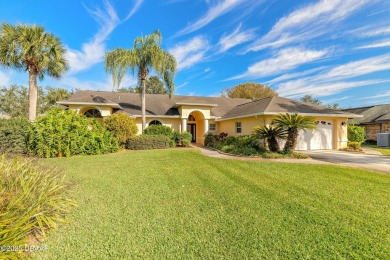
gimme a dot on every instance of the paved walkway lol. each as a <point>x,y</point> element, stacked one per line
<point>371,160</point>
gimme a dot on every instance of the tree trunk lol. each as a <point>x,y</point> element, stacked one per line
<point>143,104</point>
<point>291,141</point>
<point>33,94</point>
<point>273,144</point>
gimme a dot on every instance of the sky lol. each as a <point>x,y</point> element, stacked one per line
<point>336,50</point>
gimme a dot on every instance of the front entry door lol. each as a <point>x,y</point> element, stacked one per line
<point>191,128</point>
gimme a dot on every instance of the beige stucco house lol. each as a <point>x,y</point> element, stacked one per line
<point>202,115</point>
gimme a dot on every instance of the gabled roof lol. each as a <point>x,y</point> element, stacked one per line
<point>372,114</point>
<point>156,104</point>
<point>275,105</point>
<point>221,107</point>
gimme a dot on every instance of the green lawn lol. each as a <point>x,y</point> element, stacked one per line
<point>384,151</point>
<point>181,204</point>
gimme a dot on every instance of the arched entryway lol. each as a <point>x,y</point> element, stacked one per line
<point>196,124</point>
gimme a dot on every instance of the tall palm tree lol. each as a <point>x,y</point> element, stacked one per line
<point>146,54</point>
<point>271,134</point>
<point>30,48</point>
<point>293,123</point>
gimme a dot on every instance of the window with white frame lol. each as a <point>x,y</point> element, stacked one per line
<point>212,127</point>
<point>238,128</point>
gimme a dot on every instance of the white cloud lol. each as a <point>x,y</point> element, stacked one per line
<point>307,22</point>
<point>190,52</point>
<point>285,60</point>
<point>237,37</point>
<point>335,80</point>
<point>374,31</point>
<point>93,51</point>
<point>4,79</point>
<point>106,84</point>
<point>214,12</point>
<point>381,44</point>
<point>381,95</point>
<point>287,76</point>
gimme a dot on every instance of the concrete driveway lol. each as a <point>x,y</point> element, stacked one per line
<point>379,163</point>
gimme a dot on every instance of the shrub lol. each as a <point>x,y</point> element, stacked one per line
<point>370,142</point>
<point>247,141</point>
<point>230,140</point>
<point>65,133</point>
<point>13,135</point>
<point>121,126</point>
<point>355,133</point>
<point>146,142</point>
<point>210,139</point>
<point>159,130</point>
<point>183,138</point>
<point>33,200</point>
<point>354,145</point>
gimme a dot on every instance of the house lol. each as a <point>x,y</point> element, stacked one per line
<point>201,115</point>
<point>376,119</point>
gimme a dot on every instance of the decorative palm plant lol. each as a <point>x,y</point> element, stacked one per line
<point>30,48</point>
<point>292,123</point>
<point>271,134</point>
<point>146,54</point>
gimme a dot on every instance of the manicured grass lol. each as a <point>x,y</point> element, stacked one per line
<point>181,204</point>
<point>384,151</point>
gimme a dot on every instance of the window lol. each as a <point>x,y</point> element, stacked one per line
<point>212,127</point>
<point>155,122</point>
<point>92,113</point>
<point>238,128</point>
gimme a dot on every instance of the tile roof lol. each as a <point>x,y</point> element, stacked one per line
<point>372,114</point>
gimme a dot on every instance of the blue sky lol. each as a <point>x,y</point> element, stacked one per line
<point>336,50</point>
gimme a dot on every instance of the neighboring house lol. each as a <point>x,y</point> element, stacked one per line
<point>201,115</point>
<point>376,119</point>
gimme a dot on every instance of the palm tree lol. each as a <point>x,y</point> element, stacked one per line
<point>293,123</point>
<point>271,134</point>
<point>30,48</point>
<point>145,55</point>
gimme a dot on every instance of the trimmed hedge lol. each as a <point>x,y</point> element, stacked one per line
<point>147,142</point>
<point>13,135</point>
<point>355,133</point>
<point>63,133</point>
<point>159,130</point>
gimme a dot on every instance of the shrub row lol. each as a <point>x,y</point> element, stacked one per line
<point>59,133</point>
<point>33,200</point>
<point>152,134</point>
<point>146,142</point>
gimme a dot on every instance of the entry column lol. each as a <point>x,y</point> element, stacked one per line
<point>183,125</point>
<point>206,126</point>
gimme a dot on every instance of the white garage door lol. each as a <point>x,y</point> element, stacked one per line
<point>319,139</point>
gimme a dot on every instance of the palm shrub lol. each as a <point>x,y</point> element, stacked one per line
<point>271,134</point>
<point>13,135</point>
<point>65,133</point>
<point>121,126</point>
<point>33,200</point>
<point>292,123</point>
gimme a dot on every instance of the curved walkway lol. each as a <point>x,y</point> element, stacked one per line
<point>369,160</point>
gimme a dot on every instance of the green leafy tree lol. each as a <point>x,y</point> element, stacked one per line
<point>30,48</point>
<point>292,123</point>
<point>146,54</point>
<point>14,99</point>
<point>315,101</point>
<point>121,126</point>
<point>271,134</point>
<point>249,90</point>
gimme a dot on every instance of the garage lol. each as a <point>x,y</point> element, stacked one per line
<point>319,139</point>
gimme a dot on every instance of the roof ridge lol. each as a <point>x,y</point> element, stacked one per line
<point>269,103</point>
